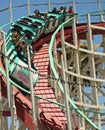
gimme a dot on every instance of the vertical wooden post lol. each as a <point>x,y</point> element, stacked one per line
<point>13,109</point>
<point>33,98</point>
<point>68,113</point>
<point>28,3</point>
<point>92,67</point>
<point>73,3</point>
<point>7,74</point>
<point>99,6</point>
<point>10,7</point>
<point>48,5</point>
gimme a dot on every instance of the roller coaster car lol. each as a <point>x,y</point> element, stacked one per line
<point>57,16</point>
<point>54,21</point>
<point>16,28</point>
<point>35,26</point>
<point>18,67</point>
<point>26,19</point>
<point>39,22</point>
<point>35,23</point>
<point>30,33</point>
<point>20,73</point>
<point>47,23</point>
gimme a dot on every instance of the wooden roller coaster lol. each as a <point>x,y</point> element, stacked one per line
<point>45,68</point>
